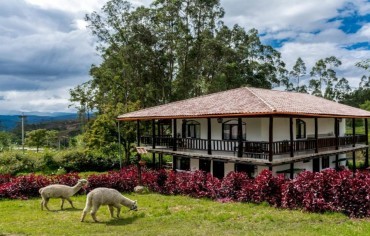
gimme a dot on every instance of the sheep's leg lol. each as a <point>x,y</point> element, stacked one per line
<point>42,204</point>
<point>118,206</point>
<point>111,210</point>
<point>93,212</point>
<point>46,200</point>
<point>62,204</point>
<point>70,202</point>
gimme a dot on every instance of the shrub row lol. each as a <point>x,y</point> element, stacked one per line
<point>328,190</point>
<point>74,160</point>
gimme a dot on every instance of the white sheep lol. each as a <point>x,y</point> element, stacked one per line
<point>106,196</point>
<point>60,191</point>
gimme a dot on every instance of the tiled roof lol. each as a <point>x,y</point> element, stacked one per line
<point>248,101</point>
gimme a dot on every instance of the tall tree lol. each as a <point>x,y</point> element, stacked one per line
<point>298,71</point>
<point>323,76</point>
<point>36,138</point>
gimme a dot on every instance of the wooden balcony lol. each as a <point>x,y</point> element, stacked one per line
<point>255,150</point>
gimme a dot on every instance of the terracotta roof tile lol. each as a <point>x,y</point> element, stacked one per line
<point>248,101</point>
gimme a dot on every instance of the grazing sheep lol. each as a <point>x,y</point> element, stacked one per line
<point>106,196</point>
<point>60,191</point>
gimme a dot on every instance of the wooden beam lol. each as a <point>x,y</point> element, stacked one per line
<point>291,136</point>
<point>138,133</point>
<point>317,135</point>
<point>209,136</point>
<point>174,133</point>
<point>271,137</point>
<point>240,137</point>
<point>337,161</point>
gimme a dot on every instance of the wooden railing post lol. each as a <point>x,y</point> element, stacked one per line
<point>291,136</point>
<point>240,137</point>
<point>174,133</point>
<point>317,135</point>
<point>209,136</point>
<point>271,138</point>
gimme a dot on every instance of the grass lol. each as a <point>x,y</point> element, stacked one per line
<point>173,215</point>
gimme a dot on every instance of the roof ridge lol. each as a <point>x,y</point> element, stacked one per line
<point>263,100</point>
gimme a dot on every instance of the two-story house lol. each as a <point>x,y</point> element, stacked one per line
<point>250,129</point>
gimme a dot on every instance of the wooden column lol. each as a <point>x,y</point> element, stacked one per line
<point>354,162</point>
<point>174,134</point>
<point>367,143</point>
<point>336,131</point>
<point>154,141</point>
<point>317,135</point>
<point>240,137</point>
<point>291,136</point>
<point>138,133</point>
<point>174,161</point>
<point>337,161</point>
<point>291,170</point>
<point>353,132</point>
<point>271,137</point>
<point>209,136</point>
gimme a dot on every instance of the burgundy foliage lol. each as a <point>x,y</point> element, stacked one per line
<point>329,190</point>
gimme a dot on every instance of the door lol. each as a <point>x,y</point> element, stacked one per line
<point>248,169</point>
<point>218,169</point>
<point>205,165</point>
<point>316,165</point>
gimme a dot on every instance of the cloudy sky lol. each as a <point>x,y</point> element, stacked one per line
<point>45,49</point>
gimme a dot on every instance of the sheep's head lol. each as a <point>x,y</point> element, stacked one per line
<point>134,206</point>
<point>82,182</point>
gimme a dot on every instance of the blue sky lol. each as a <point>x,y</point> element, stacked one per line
<point>45,48</point>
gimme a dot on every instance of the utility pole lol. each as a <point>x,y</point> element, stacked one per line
<point>22,118</point>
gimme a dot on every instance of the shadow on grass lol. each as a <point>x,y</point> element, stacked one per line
<point>123,220</point>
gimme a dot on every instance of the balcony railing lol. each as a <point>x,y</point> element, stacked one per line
<point>254,149</point>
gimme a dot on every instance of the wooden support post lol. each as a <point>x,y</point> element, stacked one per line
<point>291,170</point>
<point>209,136</point>
<point>337,161</point>
<point>138,133</point>
<point>174,133</point>
<point>336,131</point>
<point>153,134</point>
<point>291,136</point>
<point>240,137</point>
<point>270,168</point>
<point>367,143</point>
<point>174,162</point>
<point>354,162</point>
<point>317,135</point>
<point>271,137</point>
<point>353,132</point>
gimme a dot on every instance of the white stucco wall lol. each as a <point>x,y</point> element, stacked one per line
<point>194,164</point>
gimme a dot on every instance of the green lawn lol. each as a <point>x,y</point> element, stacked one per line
<point>172,215</point>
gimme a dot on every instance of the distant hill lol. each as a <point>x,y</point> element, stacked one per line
<point>9,122</point>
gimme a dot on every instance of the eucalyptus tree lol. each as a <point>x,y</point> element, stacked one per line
<point>323,76</point>
<point>298,71</point>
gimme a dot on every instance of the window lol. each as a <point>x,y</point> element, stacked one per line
<point>191,129</point>
<point>325,162</point>
<point>300,129</point>
<point>184,163</point>
<point>230,130</point>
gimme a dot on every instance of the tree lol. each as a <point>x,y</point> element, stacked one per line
<point>323,74</point>
<point>298,71</point>
<point>36,138</point>
<point>5,140</point>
